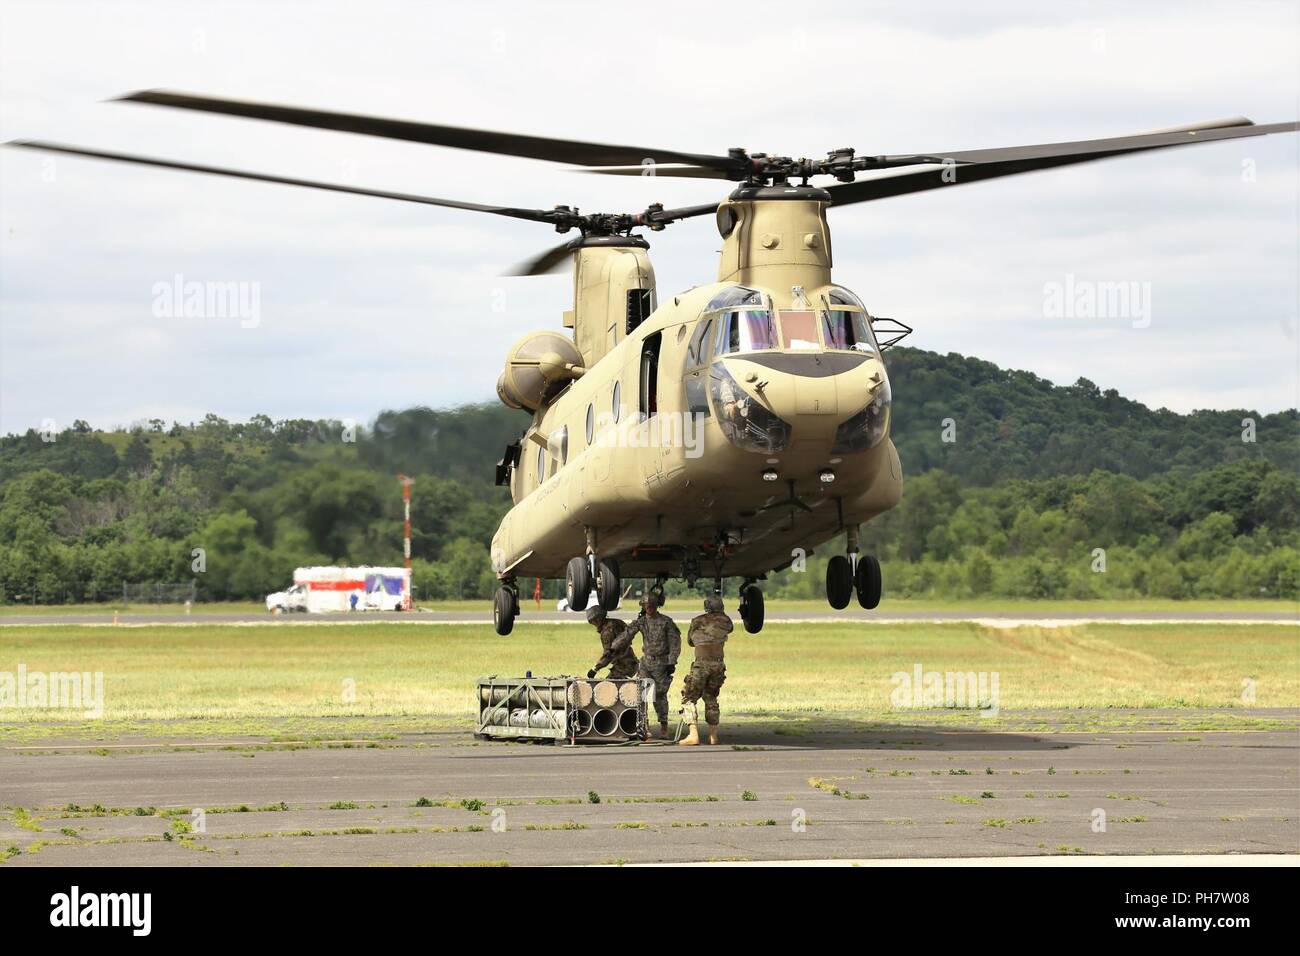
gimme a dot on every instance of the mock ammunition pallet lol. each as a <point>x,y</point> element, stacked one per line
<point>571,709</point>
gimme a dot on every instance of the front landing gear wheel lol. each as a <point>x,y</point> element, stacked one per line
<point>504,609</point>
<point>577,584</point>
<point>608,586</point>
<point>839,582</point>
<point>868,582</point>
<point>751,608</point>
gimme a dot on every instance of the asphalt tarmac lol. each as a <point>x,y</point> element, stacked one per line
<point>1138,785</point>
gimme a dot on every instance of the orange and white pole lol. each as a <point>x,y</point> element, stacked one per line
<point>406,528</point>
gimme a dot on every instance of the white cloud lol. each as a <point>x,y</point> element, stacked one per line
<point>368,304</point>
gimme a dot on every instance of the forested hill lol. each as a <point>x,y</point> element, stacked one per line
<point>1013,424</point>
<point>987,454</point>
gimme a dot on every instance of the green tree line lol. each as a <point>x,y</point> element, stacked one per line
<point>1012,485</point>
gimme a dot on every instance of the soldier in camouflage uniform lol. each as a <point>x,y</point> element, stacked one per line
<point>707,635</point>
<point>661,643</point>
<point>618,656</point>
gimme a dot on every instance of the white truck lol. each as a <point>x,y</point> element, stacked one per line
<point>323,590</point>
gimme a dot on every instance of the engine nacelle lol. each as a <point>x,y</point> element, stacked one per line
<point>536,367</point>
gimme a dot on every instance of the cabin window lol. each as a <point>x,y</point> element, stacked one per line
<point>591,422</point>
<point>541,465</point>
<point>618,401</point>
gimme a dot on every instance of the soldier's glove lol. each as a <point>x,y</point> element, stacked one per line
<point>591,673</point>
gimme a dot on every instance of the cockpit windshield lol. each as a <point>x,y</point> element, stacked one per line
<point>846,324</point>
<point>745,331</point>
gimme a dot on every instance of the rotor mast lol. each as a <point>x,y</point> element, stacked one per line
<point>776,237</point>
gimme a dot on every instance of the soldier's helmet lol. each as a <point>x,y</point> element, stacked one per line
<point>713,603</point>
<point>650,599</point>
<point>595,613</point>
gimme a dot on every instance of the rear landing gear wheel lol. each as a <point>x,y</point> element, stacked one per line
<point>577,584</point>
<point>608,586</point>
<point>868,582</point>
<point>751,608</point>
<point>839,582</point>
<point>504,609</point>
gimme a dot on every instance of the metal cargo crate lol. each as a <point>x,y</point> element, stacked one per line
<point>572,709</point>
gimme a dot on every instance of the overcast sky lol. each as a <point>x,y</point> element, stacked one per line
<point>367,304</point>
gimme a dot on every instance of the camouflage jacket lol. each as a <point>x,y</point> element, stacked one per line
<point>708,634</point>
<point>613,638</point>
<point>661,642</point>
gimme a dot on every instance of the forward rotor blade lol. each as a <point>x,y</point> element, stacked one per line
<point>535,215</point>
<point>1097,148</point>
<point>484,141</point>
<point>966,170</point>
<point>548,261</point>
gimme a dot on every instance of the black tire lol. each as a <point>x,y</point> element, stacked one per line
<point>503,611</point>
<point>869,584</point>
<point>577,584</point>
<point>751,608</point>
<point>608,585</point>
<point>839,582</point>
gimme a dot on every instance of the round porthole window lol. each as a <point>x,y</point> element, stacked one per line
<point>591,422</point>
<point>618,400</point>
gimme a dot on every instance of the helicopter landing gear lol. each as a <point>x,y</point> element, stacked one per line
<point>864,575</point>
<point>839,582</point>
<point>505,608</point>
<point>867,581</point>
<point>751,606</point>
<point>577,583</point>
<point>608,586</point>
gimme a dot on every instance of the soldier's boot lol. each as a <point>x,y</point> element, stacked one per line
<point>663,730</point>
<point>692,718</point>
<point>713,733</point>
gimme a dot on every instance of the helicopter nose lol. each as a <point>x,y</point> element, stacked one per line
<point>817,388</point>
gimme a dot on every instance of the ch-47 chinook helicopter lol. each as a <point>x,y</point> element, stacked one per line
<point>718,433</point>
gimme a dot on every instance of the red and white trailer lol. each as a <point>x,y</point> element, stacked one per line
<point>322,590</point>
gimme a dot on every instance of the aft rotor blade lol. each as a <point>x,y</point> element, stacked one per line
<point>484,141</point>
<point>970,171</point>
<point>536,215</point>
<point>548,261</point>
<point>654,170</point>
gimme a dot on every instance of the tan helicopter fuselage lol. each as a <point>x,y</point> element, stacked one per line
<point>680,437</point>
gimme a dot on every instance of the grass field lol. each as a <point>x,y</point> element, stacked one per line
<point>229,677</point>
<point>974,607</point>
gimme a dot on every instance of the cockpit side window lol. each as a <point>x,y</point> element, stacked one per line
<point>697,353</point>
